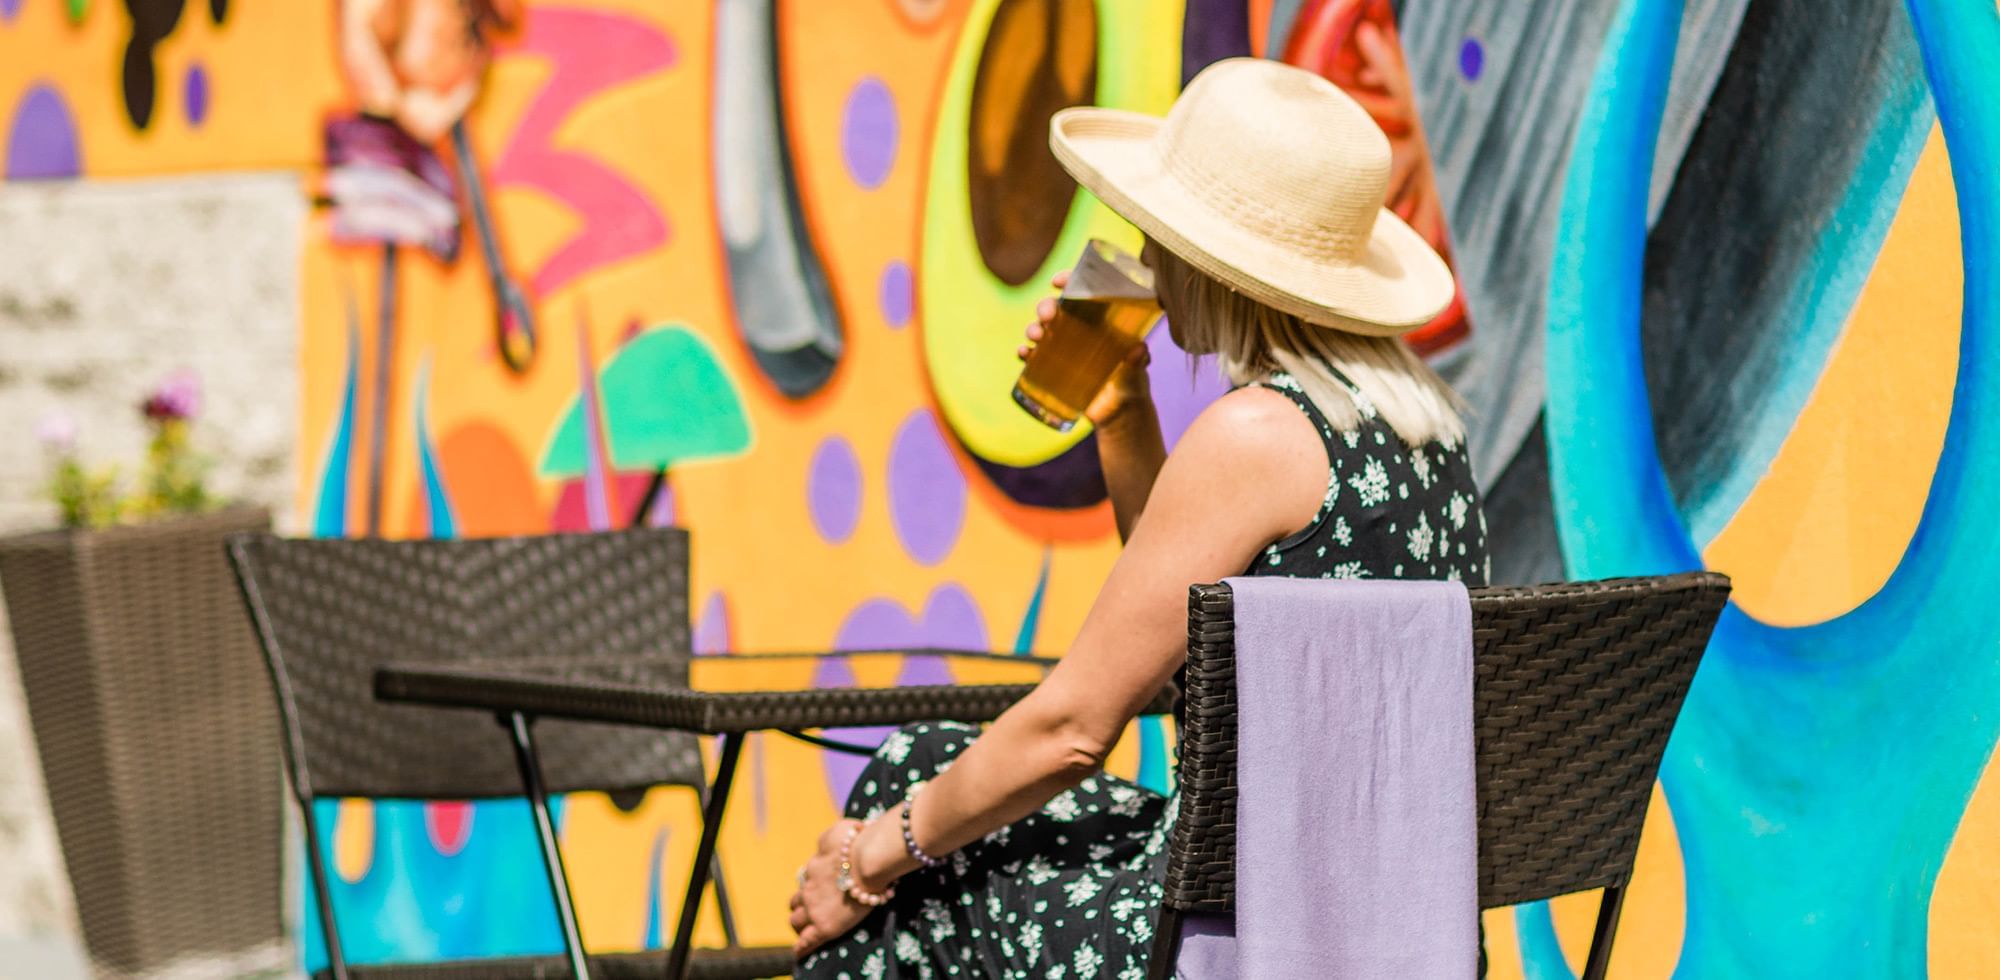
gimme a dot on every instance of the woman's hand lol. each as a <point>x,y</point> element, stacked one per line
<point>821,912</point>
<point>1126,393</point>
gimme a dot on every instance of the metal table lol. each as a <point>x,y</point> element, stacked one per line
<point>728,696</point>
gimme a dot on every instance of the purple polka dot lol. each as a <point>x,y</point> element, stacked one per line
<point>868,133</point>
<point>951,620</point>
<point>1180,390</point>
<point>42,142</point>
<point>1471,59</point>
<point>926,490</point>
<point>711,631</point>
<point>194,93</point>
<point>898,295</point>
<point>8,8</point>
<point>833,490</point>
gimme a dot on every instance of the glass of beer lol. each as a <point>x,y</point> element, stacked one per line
<point>1103,313</point>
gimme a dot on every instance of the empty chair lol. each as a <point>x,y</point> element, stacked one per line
<point>328,612</point>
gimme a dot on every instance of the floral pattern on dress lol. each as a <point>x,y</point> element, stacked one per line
<point>1023,904</point>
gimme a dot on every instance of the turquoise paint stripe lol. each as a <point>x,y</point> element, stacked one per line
<point>1614,513</point>
<point>655,867</point>
<point>1154,772</point>
<point>436,500</point>
<point>1031,621</point>
<point>330,511</point>
<point>1541,952</point>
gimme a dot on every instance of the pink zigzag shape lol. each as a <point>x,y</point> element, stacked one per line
<point>591,52</point>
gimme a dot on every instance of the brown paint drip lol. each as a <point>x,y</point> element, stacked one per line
<point>1040,56</point>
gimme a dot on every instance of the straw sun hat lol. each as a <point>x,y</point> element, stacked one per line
<point>1272,180</point>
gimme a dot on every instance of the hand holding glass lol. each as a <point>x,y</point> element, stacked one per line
<point>1104,312</point>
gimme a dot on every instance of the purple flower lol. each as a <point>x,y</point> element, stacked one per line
<point>177,398</point>
<point>57,432</point>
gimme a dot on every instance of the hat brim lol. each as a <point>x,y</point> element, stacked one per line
<point>1397,284</point>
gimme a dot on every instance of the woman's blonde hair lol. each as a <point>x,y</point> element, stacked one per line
<point>1252,341</point>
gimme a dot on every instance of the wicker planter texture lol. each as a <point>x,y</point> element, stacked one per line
<point>158,739</point>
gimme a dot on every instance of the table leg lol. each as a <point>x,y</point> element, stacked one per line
<point>545,829</point>
<point>704,855</point>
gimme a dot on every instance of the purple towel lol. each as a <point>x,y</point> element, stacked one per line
<point>1356,812</point>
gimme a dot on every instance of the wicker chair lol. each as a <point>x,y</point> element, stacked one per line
<point>1577,688</point>
<point>327,612</point>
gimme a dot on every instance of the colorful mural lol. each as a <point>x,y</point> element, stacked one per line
<point>757,268</point>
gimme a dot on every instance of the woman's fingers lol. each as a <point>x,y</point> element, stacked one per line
<point>1045,310</point>
<point>809,940</point>
<point>1060,280</point>
<point>1036,332</point>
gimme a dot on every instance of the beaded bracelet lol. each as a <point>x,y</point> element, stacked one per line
<point>845,879</point>
<point>910,838</point>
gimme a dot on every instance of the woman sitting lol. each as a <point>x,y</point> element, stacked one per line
<point>1340,455</point>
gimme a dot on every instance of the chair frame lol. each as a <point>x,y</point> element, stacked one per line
<point>518,728</point>
<point>1617,656</point>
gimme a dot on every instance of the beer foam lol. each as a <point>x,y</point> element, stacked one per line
<point>1108,272</point>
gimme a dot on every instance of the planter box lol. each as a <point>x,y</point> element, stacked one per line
<point>153,716</point>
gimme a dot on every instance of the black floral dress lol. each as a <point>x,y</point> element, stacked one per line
<point>1073,891</point>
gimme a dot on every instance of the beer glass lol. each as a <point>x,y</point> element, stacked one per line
<point>1103,313</point>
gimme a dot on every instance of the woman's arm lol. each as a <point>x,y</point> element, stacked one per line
<point>1131,451</point>
<point>1130,448</point>
<point>1240,479</point>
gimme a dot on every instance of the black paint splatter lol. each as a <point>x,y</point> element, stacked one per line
<point>152,22</point>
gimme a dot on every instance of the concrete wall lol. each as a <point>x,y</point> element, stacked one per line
<point>105,288</point>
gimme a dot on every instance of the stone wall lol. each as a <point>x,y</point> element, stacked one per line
<point>105,288</point>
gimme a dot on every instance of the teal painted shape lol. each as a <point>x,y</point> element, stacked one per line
<point>1541,951</point>
<point>415,904</point>
<point>1818,774</point>
<point>655,906</point>
<point>436,500</point>
<point>1031,621</point>
<point>666,400</point>
<point>330,510</point>
<point>1154,773</point>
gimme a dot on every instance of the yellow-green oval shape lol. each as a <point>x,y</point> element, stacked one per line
<point>971,321</point>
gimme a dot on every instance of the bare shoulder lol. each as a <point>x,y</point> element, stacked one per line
<point>1256,450</point>
<point>1252,426</point>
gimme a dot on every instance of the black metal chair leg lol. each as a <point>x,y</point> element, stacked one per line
<point>336,959</point>
<point>722,902</point>
<point>1607,926</point>
<point>545,829</point>
<point>704,855</point>
<point>722,906</point>
<point>1166,944</point>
